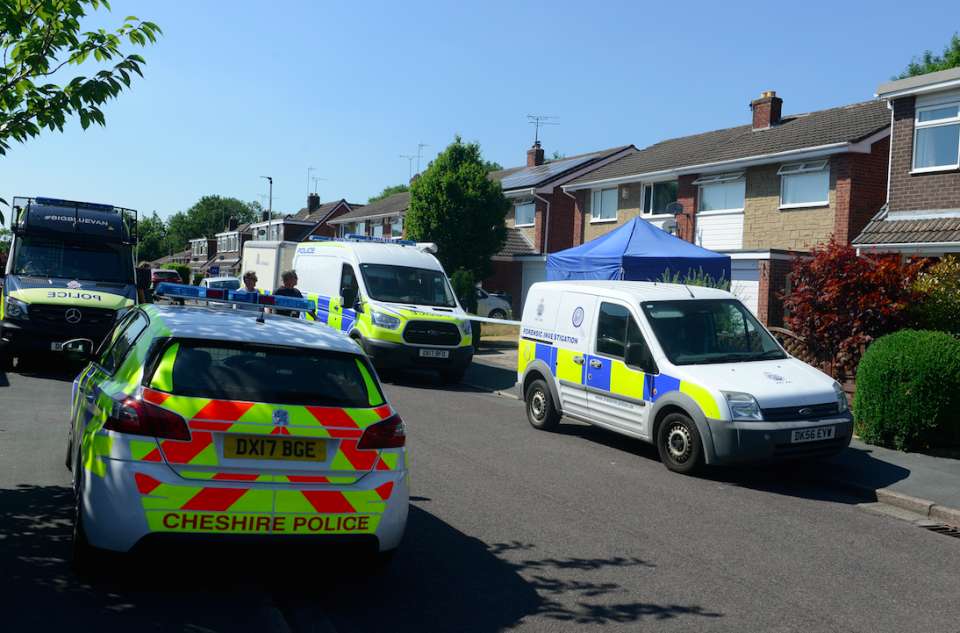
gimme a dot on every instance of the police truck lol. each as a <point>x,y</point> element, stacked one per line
<point>70,274</point>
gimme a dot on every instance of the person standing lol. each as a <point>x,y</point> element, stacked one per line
<point>249,286</point>
<point>288,279</point>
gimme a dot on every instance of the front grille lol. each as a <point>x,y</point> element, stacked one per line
<point>107,286</point>
<point>432,333</point>
<point>35,280</point>
<point>792,414</point>
<point>54,317</point>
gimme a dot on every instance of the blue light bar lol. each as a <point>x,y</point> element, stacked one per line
<point>351,237</point>
<point>234,296</point>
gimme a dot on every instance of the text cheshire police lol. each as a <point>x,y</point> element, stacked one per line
<point>199,522</point>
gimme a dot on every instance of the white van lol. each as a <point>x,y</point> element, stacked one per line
<point>268,259</point>
<point>390,296</point>
<point>689,369</point>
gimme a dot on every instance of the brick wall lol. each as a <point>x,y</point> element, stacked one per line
<point>508,278</point>
<point>773,280</point>
<point>561,235</point>
<point>861,189</point>
<point>627,208</point>
<point>765,225</point>
<point>687,196</point>
<point>916,192</point>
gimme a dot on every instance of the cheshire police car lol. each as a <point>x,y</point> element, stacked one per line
<point>391,296</point>
<point>202,423</point>
<point>689,369</point>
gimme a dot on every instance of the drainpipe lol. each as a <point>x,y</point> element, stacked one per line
<point>890,156</point>
<point>546,220</point>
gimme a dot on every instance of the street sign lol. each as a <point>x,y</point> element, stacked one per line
<point>214,271</point>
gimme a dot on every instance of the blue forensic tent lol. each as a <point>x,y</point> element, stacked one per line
<point>641,251</point>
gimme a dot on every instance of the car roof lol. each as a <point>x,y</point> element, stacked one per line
<point>637,291</point>
<point>380,253</point>
<point>242,326</point>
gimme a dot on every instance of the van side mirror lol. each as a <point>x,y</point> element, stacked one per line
<point>349,296</point>
<point>78,349</point>
<point>144,278</point>
<point>638,355</point>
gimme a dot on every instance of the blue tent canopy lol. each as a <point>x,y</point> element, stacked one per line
<point>641,251</point>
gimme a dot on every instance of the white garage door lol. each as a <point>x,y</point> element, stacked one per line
<point>532,273</point>
<point>745,282</point>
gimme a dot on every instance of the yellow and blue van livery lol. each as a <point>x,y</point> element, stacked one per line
<point>688,369</point>
<point>70,274</point>
<point>390,296</point>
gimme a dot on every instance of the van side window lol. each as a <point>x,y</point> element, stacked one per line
<point>348,279</point>
<point>616,328</point>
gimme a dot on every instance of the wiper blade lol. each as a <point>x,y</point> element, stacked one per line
<point>770,354</point>
<point>728,358</point>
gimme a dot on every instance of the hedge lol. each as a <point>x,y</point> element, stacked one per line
<point>908,391</point>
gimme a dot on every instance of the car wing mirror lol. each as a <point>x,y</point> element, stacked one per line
<point>78,349</point>
<point>144,279</point>
<point>638,355</point>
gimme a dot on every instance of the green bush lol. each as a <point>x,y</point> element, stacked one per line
<point>182,269</point>
<point>908,391</point>
<point>939,288</point>
<point>695,279</point>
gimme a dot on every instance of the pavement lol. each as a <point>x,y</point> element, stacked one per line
<point>916,483</point>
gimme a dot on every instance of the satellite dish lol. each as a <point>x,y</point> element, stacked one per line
<point>675,208</point>
<point>670,226</point>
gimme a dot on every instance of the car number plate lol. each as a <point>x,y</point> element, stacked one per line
<point>274,447</point>
<point>812,435</point>
<point>56,347</point>
<point>434,353</point>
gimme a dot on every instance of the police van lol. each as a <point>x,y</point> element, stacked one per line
<point>392,297</point>
<point>689,369</point>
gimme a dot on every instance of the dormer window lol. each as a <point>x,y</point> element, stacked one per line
<point>805,184</point>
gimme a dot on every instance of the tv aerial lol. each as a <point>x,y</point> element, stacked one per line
<point>538,121</point>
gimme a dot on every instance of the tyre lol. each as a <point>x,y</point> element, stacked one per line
<point>678,441</point>
<point>452,376</point>
<point>541,410</point>
<point>497,314</point>
<point>82,554</point>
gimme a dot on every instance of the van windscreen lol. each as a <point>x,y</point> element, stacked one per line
<point>709,331</point>
<point>403,284</point>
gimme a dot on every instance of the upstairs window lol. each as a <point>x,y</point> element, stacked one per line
<point>936,142</point>
<point>526,213</point>
<point>604,205</point>
<point>657,196</point>
<point>721,192</point>
<point>805,184</point>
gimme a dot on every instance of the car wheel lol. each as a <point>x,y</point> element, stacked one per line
<point>452,376</point>
<point>541,410</point>
<point>82,554</point>
<point>678,441</point>
<point>497,314</point>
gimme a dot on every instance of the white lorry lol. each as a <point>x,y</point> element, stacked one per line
<point>268,259</point>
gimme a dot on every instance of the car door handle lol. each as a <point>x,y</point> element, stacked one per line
<point>595,363</point>
<point>89,396</point>
<point>578,360</point>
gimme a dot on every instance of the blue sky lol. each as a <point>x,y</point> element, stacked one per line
<point>235,91</point>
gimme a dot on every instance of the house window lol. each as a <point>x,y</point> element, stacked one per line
<point>604,205</point>
<point>721,192</point>
<point>658,195</point>
<point>526,211</point>
<point>377,229</point>
<point>805,184</point>
<point>361,228</point>
<point>937,138</point>
<point>396,227</point>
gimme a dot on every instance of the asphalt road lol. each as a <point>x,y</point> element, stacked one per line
<point>510,529</point>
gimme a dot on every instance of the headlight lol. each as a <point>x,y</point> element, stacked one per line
<point>743,406</point>
<point>16,309</point>
<point>384,321</point>
<point>842,403</point>
<point>465,328</point>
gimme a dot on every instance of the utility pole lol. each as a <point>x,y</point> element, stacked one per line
<point>270,212</point>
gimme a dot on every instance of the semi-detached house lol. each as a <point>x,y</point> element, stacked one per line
<point>760,192</point>
<point>922,214</point>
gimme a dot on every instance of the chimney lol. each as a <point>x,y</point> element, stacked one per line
<point>535,155</point>
<point>313,202</point>
<point>233,224</point>
<point>766,111</point>
<point>264,216</point>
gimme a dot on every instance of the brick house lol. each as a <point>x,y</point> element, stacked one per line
<point>381,218</point>
<point>543,213</point>
<point>759,192</point>
<point>922,211</point>
<point>321,214</point>
<point>229,250</point>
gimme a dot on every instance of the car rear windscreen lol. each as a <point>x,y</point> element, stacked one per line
<point>269,374</point>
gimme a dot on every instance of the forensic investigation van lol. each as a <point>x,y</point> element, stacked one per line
<point>689,369</point>
<point>392,297</point>
<point>71,274</point>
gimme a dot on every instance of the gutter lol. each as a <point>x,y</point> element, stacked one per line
<point>911,247</point>
<point>813,152</point>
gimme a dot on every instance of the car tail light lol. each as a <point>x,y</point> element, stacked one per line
<point>137,417</point>
<point>390,433</point>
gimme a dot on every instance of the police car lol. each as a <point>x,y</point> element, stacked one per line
<point>210,423</point>
<point>689,369</point>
